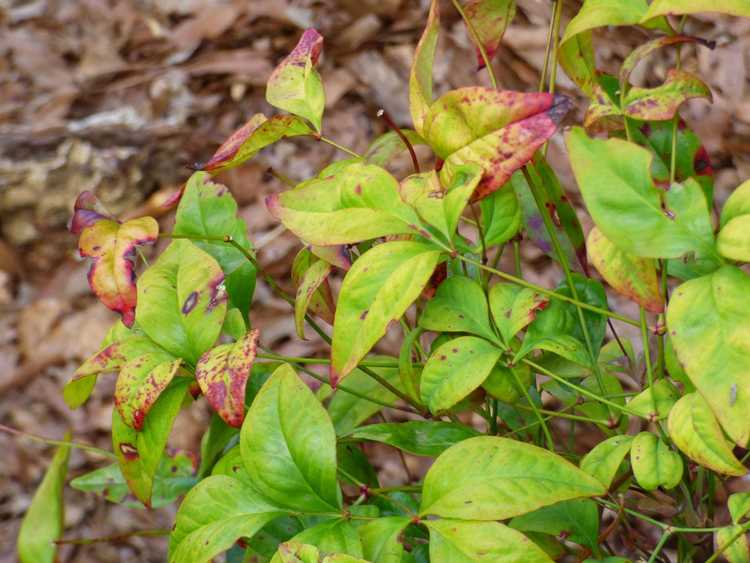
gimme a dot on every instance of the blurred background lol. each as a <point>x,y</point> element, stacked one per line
<point>120,96</point>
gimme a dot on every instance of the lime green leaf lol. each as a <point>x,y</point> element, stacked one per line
<point>182,300</point>
<point>355,202</point>
<point>603,13</point>
<point>708,324</point>
<point>209,210</point>
<point>388,145</point>
<point>737,205</point>
<point>332,536</point>
<point>78,390</point>
<point>420,77</point>
<point>140,383</point>
<point>695,430</point>
<point>629,275</point>
<point>295,86</point>
<point>215,514</point>
<point>258,133</point>
<point>459,305</point>
<point>626,206</point>
<point>140,452</point>
<point>576,520</point>
<point>674,7</point>
<point>489,20</point>
<point>734,239</point>
<point>295,552</point>
<point>492,478</point>
<point>604,460</point>
<point>460,541</point>
<point>418,437</point>
<point>500,130</point>
<point>737,551</point>
<point>655,402</point>
<point>577,58</point>
<point>44,520</point>
<point>111,245</point>
<point>380,539</point>
<point>455,369</point>
<point>289,446</point>
<point>213,443</point>
<point>380,286</point>
<point>310,275</point>
<point>739,506</point>
<point>409,375</point>
<point>222,374</point>
<point>514,307</point>
<point>503,382</point>
<point>501,217</point>
<point>662,102</point>
<point>438,207</point>
<point>654,464</point>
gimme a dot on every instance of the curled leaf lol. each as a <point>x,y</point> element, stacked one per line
<point>662,102</point>
<point>489,20</point>
<point>420,78</point>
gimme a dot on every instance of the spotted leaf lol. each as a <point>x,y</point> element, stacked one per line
<point>489,19</point>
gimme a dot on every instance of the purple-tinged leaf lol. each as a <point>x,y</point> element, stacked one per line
<point>140,383</point>
<point>489,19</point>
<point>222,374</point>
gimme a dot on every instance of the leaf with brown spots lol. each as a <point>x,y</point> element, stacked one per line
<point>295,86</point>
<point>310,275</point>
<point>111,245</point>
<point>489,20</point>
<point>222,374</point>
<point>140,383</point>
<point>662,102</point>
<point>514,307</point>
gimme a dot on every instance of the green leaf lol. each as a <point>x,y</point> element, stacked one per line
<point>388,145</point>
<point>455,369</point>
<point>695,430</point>
<point>503,382</point>
<point>214,515</point>
<point>603,13</point>
<point>44,520</point>
<point>460,541</point>
<point>111,245</point>
<point>182,301</point>
<point>662,102</point>
<point>626,206</point>
<point>380,539</point>
<point>500,130</point>
<point>575,520</point>
<point>501,217</point>
<point>489,20</point>
<point>655,402</point>
<point>491,478</point>
<point>78,390</point>
<point>295,86</point>
<point>737,204</point>
<point>605,459</point>
<point>222,374</point>
<point>734,239</point>
<point>289,446</point>
<point>310,275</point>
<point>459,305</point>
<point>258,133</point>
<point>737,551</point>
<point>708,323</point>
<point>379,288</point>
<point>420,77</point>
<point>577,58</point>
<point>208,210</point>
<point>140,452</point>
<point>294,552</point>
<point>629,275</point>
<point>352,203</point>
<point>739,506</point>
<point>332,536</point>
<point>514,307</point>
<point>654,464</point>
<point>675,7</point>
<point>418,437</point>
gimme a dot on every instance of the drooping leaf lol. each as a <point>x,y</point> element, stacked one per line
<point>615,181</point>
<point>662,102</point>
<point>310,275</point>
<point>674,7</point>
<point>420,77</point>
<point>388,145</point>
<point>209,210</point>
<point>455,369</point>
<point>654,464</point>
<point>489,20</point>
<point>182,300</point>
<point>737,551</point>
<point>461,541</point>
<point>604,460</point>
<point>44,520</point>
<point>140,452</point>
<point>379,288</point>
<point>418,437</point>
<point>708,323</point>
<point>353,203</point>
<point>289,446</point>
<point>459,305</point>
<point>111,245</point>
<point>215,514</point>
<point>739,506</point>
<point>380,539</point>
<point>655,402</point>
<point>295,86</point>
<point>695,430</point>
<point>258,133</point>
<point>491,478</point>
<point>576,520</point>
<point>514,307</point>
<point>629,275</point>
<point>499,130</point>
<point>501,217</point>
<point>222,374</point>
<point>332,536</point>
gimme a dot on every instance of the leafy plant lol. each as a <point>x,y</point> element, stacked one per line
<point>283,474</point>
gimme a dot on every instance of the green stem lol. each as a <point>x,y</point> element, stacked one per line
<point>51,442</point>
<point>322,361</point>
<point>400,394</point>
<point>666,534</point>
<point>342,148</point>
<point>517,258</point>
<point>537,413</point>
<point>658,524</point>
<point>558,414</point>
<point>743,529</point>
<point>477,42</point>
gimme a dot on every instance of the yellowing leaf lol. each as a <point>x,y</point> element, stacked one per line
<point>656,401</point>
<point>605,459</point>
<point>737,204</point>
<point>489,19</point>
<point>733,241</point>
<point>654,464</point>
<point>733,540</point>
<point>420,77</point>
<point>662,102</point>
<point>674,7</point>
<point>140,383</point>
<point>310,275</point>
